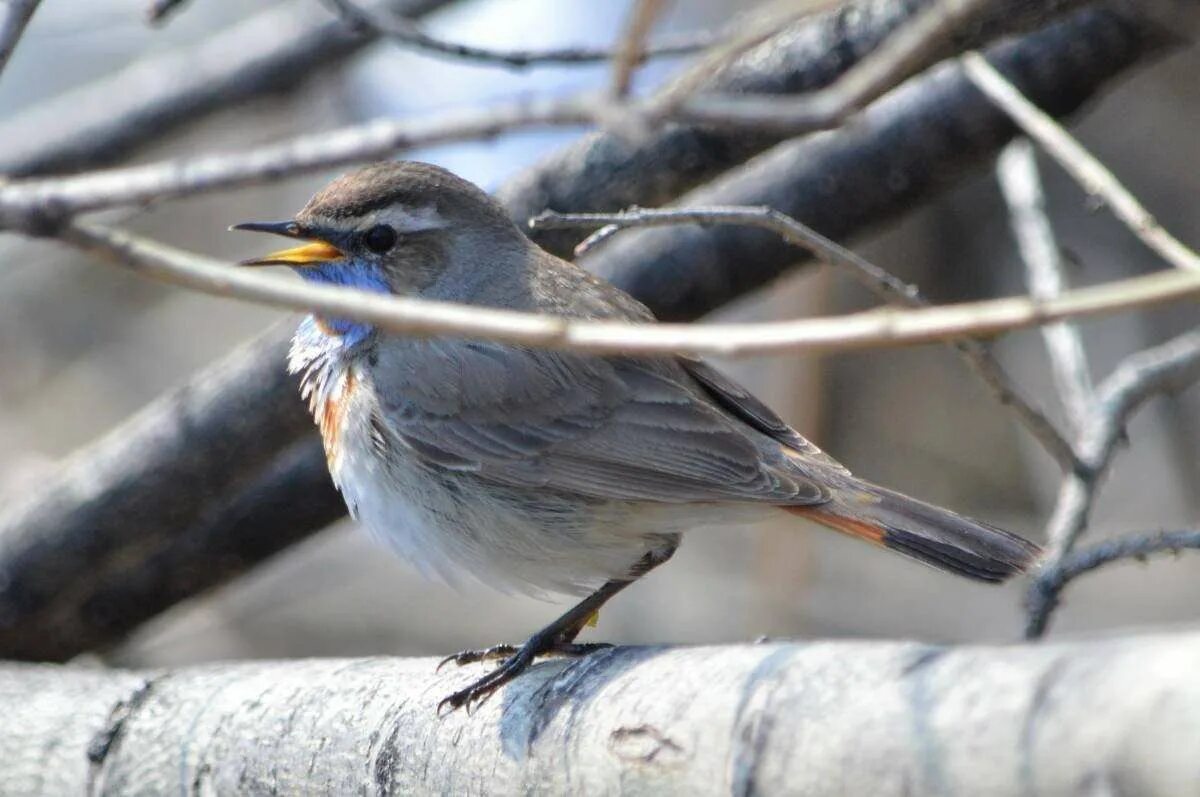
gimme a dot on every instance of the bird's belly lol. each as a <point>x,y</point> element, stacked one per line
<point>450,524</point>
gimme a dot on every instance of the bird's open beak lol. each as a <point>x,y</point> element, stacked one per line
<point>315,251</point>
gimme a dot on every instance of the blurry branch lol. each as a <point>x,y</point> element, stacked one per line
<point>734,719</point>
<point>1096,179</point>
<point>877,280</point>
<point>631,48</point>
<point>405,31</point>
<point>1044,593</point>
<point>880,327</point>
<point>98,122</point>
<point>1165,368</point>
<point>13,25</point>
<point>159,11</point>
<point>927,137</point>
<point>44,203</point>
<point>1017,173</point>
<point>1098,415</point>
<point>912,48</point>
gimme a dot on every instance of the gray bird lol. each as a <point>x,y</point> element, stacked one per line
<point>549,470</point>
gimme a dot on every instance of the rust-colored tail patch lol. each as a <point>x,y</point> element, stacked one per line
<point>855,527</point>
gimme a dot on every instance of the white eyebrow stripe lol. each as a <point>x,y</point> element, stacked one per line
<point>404,220</point>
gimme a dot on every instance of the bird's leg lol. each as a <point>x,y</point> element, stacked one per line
<point>556,638</point>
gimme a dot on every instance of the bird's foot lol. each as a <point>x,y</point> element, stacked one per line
<point>515,661</point>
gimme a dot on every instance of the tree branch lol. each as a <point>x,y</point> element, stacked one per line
<point>1164,368</point>
<point>412,316</point>
<point>1045,592</point>
<point>402,30</point>
<point>875,279</point>
<point>1016,170</point>
<point>1095,178</point>
<point>881,718</point>
<point>610,171</point>
<point>912,48</point>
<point>99,122</point>
<point>13,26</point>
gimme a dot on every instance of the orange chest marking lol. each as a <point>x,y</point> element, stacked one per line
<point>331,414</point>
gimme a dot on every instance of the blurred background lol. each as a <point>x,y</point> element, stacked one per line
<point>83,346</point>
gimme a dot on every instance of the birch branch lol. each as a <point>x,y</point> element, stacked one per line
<point>880,327</point>
<point>1016,170</point>
<point>879,718</point>
<point>407,32</point>
<point>1090,173</point>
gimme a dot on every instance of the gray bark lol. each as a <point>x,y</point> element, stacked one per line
<point>1112,716</point>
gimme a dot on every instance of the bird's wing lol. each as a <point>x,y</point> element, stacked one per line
<point>608,427</point>
<point>743,404</point>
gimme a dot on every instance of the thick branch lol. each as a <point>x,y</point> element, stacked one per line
<point>608,172</point>
<point>879,718</point>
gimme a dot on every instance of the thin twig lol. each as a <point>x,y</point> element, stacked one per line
<point>882,283</point>
<point>1167,367</point>
<point>630,49</point>
<point>26,203</point>
<point>411,34</point>
<point>1016,171</point>
<point>1045,591</point>
<point>1089,172</point>
<point>103,119</point>
<point>159,11</point>
<point>894,61</point>
<point>751,30</point>
<point>881,327</point>
<point>13,26</point>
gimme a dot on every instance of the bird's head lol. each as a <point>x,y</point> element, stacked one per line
<point>394,227</point>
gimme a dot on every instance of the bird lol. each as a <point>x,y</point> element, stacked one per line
<point>539,470</point>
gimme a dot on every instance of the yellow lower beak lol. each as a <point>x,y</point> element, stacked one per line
<point>314,252</point>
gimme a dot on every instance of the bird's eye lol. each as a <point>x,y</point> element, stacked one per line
<point>380,238</point>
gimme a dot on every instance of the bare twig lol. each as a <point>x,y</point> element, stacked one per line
<point>883,284</point>
<point>1017,173</point>
<point>880,327</point>
<point>1089,172</point>
<point>1168,367</point>
<point>271,51</point>
<point>47,202</point>
<point>630,49</point>
<point>1043,595</point>
<point>411,34</point>
<point>894,61</point>
<point>15,19</point>
<point>159,11</point>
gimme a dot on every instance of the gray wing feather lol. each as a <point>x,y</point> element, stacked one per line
<point>608,427</point>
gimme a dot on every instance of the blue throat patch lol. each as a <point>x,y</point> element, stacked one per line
<point>352,274</point>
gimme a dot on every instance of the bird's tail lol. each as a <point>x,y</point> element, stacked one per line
<point>930,534</point>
